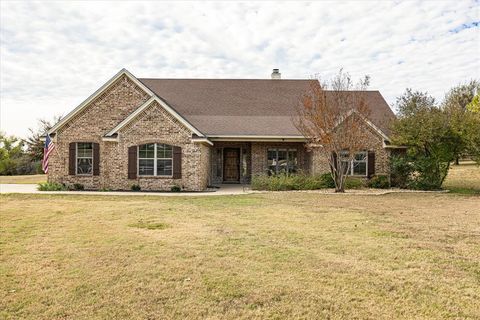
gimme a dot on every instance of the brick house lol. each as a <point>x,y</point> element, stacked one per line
<point>193,133</point>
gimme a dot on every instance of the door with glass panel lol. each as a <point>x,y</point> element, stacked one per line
<point>231,165</point>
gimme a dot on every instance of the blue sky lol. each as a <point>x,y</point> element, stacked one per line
<point>53,55</point>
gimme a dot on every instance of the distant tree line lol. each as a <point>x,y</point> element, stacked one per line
<point>24,156</point>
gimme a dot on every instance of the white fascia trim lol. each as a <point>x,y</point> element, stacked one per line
<point>256,138</point>
<point>202,140</point>
<point>377,129</point>
<point>98,93</point>
<point>393,146</point>
<point>144,106</point>
<point>373,126</point>
<point>111,139</point>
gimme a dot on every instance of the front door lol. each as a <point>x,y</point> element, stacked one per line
<point>231,165</point>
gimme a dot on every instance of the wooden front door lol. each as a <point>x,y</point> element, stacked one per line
<point>231,165</point>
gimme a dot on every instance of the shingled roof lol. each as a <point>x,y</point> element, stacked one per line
<point>221,107</point>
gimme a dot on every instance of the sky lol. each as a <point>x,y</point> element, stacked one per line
<point>53,55</point>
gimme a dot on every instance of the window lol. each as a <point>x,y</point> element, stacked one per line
<point>84,159</point>
<point>355,167</point>
<point>359,164</point>
<point>282,161</point>
<point>155,159</point>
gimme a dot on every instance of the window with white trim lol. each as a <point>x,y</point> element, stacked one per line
<point>84,158</point>
<point>155,159</point>
<point>357,166</point>
<point>281,160</point>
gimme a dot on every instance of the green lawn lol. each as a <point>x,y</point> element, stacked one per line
<point>275,255</point>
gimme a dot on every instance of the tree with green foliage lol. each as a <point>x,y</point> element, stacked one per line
<point>11,154</point>
<point>425,129</point>
<point>463,122</point>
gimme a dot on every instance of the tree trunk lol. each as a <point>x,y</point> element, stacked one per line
<point>457,160</point>
<point>339,183</point>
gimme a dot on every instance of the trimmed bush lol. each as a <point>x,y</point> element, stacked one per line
<point>51,186</point>
<point>379,182</point>
<point>78,187</point>
<point>283,182</point>
<point>135,187</point>
<point>354,183</point>
<point>175,189</point>
<point>327,180</point>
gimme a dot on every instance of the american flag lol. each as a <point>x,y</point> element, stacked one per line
<point>47,149</point>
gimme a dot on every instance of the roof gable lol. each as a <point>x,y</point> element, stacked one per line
<point>106,86</point>
<point>99,92</point>
<point>144,106</point>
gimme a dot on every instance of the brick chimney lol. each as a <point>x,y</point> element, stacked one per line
<point>276,75</point>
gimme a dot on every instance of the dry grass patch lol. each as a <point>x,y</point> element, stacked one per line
<point>287,255</point>
<point>464,178</point>
<point>25,179</point>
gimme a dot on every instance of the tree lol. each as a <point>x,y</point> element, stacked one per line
<point>33,142</point>
<point>333,121</point>
<point>462,120</point>
<point>11,154</point>
<point>427,131</point>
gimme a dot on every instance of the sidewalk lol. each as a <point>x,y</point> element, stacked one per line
<point>229,189</point>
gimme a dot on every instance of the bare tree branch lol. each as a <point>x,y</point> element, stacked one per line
<point>332,117</point>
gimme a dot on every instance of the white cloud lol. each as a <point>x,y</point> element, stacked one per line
<point>53,55</point>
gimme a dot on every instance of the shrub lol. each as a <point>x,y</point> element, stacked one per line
<point>327,180</point>
<point>283,182</point>
<point>416,171</point>
<point>400,171</point>
<point>136,187</point>
<point>354,183</point>
<point>175,189</point>
<point>51,186</point>
<point>78,187</point>
<point>379,182</point>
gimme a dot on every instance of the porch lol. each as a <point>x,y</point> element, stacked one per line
<point>236,162</point>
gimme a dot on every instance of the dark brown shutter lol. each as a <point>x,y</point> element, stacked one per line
<point>371,163</point>
<point>72,155</point>
<point>96,159</point>
<point>132,162</point>
<point>177,162</point>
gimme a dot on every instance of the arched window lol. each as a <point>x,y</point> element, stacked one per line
<point>155,159</point>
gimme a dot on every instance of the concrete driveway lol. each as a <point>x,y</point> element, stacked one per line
<point>227,189</point>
